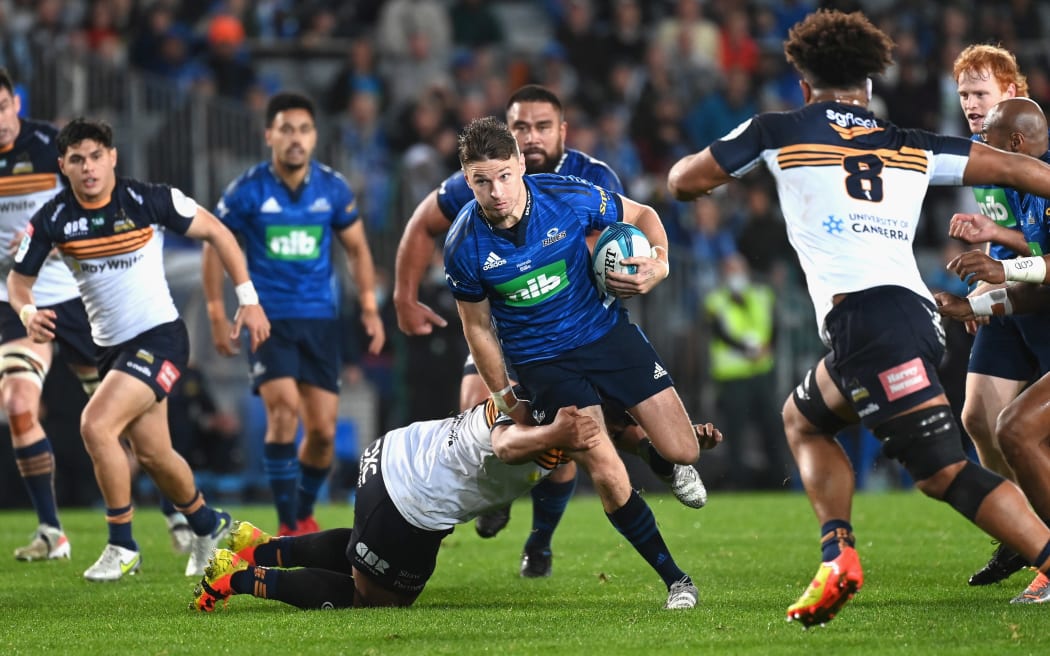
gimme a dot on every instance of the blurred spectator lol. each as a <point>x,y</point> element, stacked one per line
<point>913,81</point>
<point>475,24</point>
<point>777,83</point>
<point>228,61</point>
<point>737,50</point>
<point>689,38</point>
<point>628,38</point>
<point>414,38</point>
<point>721,111</point>
<point>366,157</point>
<point>741,315</point>
<point>276,19</point>
<point>658,133</point>
<point>614,147</point>
<point>556,73</point>
<point>711,242</point>
<point>585,52</point>
<point>432,156</point>
<point>359,70</point>
<point>762,239</point>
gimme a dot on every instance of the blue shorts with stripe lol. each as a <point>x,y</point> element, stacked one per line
<point>621,366</point>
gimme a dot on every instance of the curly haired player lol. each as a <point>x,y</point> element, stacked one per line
<point>851,187</point>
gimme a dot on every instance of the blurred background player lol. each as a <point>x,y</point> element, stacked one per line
<point>536,118</point>
<point>29,177</point>
<point>289,211</point>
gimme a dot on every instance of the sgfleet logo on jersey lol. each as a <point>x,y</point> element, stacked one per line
<point>904,379</point>
<point>293,242</point>
<point>992,203</point>
<point>535,287</point>
<point>850,119</point>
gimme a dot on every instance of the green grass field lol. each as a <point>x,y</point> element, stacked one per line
<point>750,554</point>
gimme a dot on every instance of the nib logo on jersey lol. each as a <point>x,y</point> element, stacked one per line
<point>536,286</point>
<point>293,243</point>
<point>995,206</point>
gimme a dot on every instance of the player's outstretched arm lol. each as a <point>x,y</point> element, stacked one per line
<point>414,254</point>
<point>978,228</point>
<point>571,430</point>
<point>362,268</point>
<point>695,175</point>
<point>206,227</point>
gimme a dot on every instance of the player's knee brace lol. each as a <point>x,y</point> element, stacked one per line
<point>810,404</point>
<point>969,488</point>
<point>21,362</point>
<point>925,441</point>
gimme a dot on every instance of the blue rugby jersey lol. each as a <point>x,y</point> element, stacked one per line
<point>1033,216</point>
<point>288,236</point>
<point>538,276</point>
<point>454,194</point>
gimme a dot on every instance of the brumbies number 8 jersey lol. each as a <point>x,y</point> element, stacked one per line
<point>537,276</point>
<point>850,187</point>
<point>114,252</point>
<point>288,236</point>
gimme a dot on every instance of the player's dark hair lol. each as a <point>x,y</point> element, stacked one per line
<point>286,100</point>
<point>80,129</point>
<point>535,93</point>
<point>836,50</point>
<point>486,138</point>
<point>6,82</point>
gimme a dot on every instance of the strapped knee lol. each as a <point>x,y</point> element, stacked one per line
<point>22,362</point>
<point>925,441</point>
<point>969,488</point>
<point>811,405</point>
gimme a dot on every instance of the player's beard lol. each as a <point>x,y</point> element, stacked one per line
<point>546,165</point>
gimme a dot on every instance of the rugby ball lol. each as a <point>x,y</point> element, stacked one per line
<point>616,242</point>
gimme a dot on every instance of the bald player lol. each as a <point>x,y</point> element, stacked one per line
<point>1022,433</point>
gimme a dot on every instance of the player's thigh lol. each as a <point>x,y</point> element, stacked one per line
<point>986,396</point>
<point>816,407</point>
<point>149,434</point>
<point>1026,418</point>
<point>118,401</point>
<point>23,367</point>
<point>665,421</point>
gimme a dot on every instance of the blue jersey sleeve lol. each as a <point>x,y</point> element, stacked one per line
<point>232,204</point>
<point>453,195</point>
<point>344,202</point>
<point>461,261</point>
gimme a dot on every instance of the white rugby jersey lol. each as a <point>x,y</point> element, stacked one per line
<point>29,177</point>
<point>443,472</point>
<point>114,252</point>
<point>851,188</point>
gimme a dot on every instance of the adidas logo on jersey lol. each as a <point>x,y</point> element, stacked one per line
<point>493,261</point>
<point>659,372</point>
<point>270,206</point>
